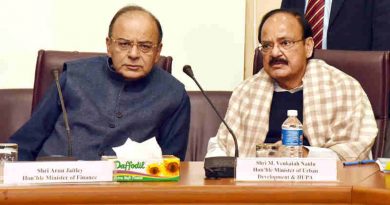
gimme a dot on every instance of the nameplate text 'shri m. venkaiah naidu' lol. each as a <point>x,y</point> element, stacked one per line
<point>286,169</point>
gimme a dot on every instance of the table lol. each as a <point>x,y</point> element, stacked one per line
<point>357,184</point>
<point>373,190</point>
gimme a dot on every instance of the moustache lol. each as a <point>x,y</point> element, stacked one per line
<point>274,61</point>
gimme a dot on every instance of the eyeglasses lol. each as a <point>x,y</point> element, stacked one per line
<point>266,47</point>
<point>125,45</point>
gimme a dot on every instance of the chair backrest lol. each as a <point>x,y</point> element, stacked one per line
<point>15,107</point>
<point>372,70</point>
<point>48,60</point>
<point>204,122</point>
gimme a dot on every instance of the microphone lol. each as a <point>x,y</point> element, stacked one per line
<point>222,166</point>
<point>69,157</point>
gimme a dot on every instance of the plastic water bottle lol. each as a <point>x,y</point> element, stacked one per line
<point>292,135</point>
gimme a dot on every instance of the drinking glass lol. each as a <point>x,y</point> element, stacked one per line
<point>8,153</point>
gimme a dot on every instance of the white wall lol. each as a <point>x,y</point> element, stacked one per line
<point>207,34</point>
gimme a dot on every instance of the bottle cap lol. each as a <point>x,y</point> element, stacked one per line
<point>292,113</point>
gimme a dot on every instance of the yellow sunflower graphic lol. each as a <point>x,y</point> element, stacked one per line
<point>172,167</point>
<point>153,169</point>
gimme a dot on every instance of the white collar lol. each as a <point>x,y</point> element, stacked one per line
<point>277,88</point>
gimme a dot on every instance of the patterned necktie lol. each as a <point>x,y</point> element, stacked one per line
<point>315,16</point>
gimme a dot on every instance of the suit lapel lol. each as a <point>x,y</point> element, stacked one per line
<point>300,4</point>
<point>296,5</point>
<point>336,6</point>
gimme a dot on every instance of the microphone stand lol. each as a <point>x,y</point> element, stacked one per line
<point>221,166</point>
<point>69,156</point>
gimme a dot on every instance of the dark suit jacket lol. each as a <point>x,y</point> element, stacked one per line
<point>355,24</point>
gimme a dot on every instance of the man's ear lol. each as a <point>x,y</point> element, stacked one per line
<point>309,46</point>
<point>158,51</point>
<point>108,46</point>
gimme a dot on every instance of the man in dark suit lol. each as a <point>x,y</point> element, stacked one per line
<point>352,24</point>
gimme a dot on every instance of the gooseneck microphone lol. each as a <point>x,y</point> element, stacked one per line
<point>65,114</point>
<point>223,166</point>
<point>69,157</point>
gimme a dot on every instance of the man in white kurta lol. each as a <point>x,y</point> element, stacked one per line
<point>336,111</point>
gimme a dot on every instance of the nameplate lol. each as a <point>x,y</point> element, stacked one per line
<point>286,169</point>
<point>57,172</point>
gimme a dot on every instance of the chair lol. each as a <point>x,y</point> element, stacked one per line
<point>48,60</point>
<point>372,70</point>
<point>204,122</point>
<point>15,107</point>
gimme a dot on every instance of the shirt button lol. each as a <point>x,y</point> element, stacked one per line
<point>119,115</point>
<point>111,125</point>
